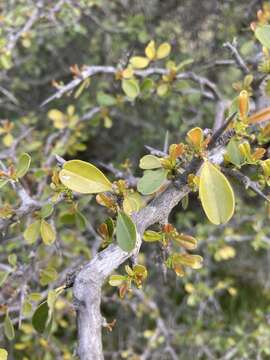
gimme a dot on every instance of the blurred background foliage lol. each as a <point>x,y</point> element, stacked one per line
<point>218,312</point>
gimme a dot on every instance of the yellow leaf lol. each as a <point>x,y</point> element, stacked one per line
<point>195,136</point>
<point>225,253</point>
<point>179,270</point>
<point>243,103</point>
<point>31,233</point>
<point>127,73</point>
<point>232,291</point>
<point>150,50</point>
<point>84,177</point>
<point>189,288</point>
<point>116,280</point>
<point>47,233</point>
<point>3,354</point>
<point>259,116</point>
<point>131,204</point>
<point>108,122</point>
<point>151,236</point>
<point>8,140</point>
<point>163,50</point>
<point>193,261</point>
<point>70,110</point>
<point>216,194</point>
<point>139,62</point>
<point>187,241</point>
<point>149,162</point>
<point>162,89</point>
<point>58,118</point>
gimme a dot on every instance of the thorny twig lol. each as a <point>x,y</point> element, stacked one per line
<point>245,180</point>
<point>238,58</point>
<point>89,71</point>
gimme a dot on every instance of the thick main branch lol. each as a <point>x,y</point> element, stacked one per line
<point>88,282</point>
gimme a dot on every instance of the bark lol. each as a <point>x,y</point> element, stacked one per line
<point>88,282</point>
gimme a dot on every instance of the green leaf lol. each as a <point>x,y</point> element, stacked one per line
<point>151,236</point>
<point>131,88</point>
<point>116,280</point>
<point>84,85</point>
<point>3,182</point>
<point>185,202</point>
<point>83,177</point>
<point>149,162</point>
<point>105,99</point>
<point>35,297</point>
<point>12,259</point>
<point>27,308</point>
<point>67,218</point>
<point>233,153</point>
<point>32,232</point>
<point>3,277</point>
<point>162,89</point>
<point>110,225</point>
<point>3,354</point>
<point>183,64</point>
<point>147,85</point>
<point>216,194</point>
<point>40,317</point>
<point>234,106</point>
<point>126,233</point>
<point>9,328</point>
<point>80,221</point>
<point>151,181</point>
<point>46,210</point>
<point>47,233</point>
<point>262,33</point>
<point>23,165</point>
<point>48,276</point>
<point>51,299</point>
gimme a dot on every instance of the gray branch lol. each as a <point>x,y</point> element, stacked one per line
<point>89,71</point>
<point>88,282</point>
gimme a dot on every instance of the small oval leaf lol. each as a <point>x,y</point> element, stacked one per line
<point>3,277</point>
<point>116,280</point>
<point>40,317</point>
<point>9,328</point>
<point>149,162</point>
<point>126,233</point>
<point>23,165</point>
<point>163,50</point>
<point>216,194</point>
<point>3,354</point>
<point>139,62</point>
<point>151,236</point>
<point>262,33</point>
<point>47,233</point>
<point>131,88</point>
<point>150,50</point>
<point>233,153</point>
<point>32,232</point>
<point>83,177</point>
<point>151,181</point>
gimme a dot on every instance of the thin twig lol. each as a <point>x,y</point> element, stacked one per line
<point>216,136</point>
<point>245,180</point>
<point>239,60</point>
<point>89,71</point>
